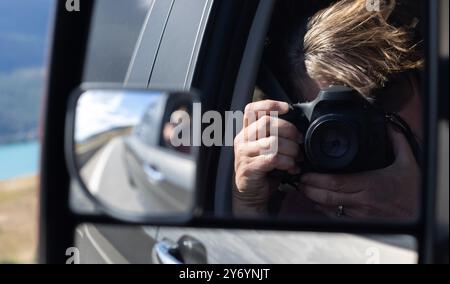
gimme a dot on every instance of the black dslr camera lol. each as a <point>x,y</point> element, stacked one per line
<point>344,133</point>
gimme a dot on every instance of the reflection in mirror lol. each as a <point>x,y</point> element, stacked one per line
<point>349,148</point>
<point>123,155</point>
<point>351,151</point>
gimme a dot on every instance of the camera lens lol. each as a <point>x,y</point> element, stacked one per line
<point>332,143</point>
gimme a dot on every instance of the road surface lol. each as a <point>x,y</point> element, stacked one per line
<point>105,175</point>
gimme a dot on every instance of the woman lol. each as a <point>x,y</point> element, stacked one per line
<point>346,44</point>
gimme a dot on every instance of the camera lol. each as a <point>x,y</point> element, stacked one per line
<point>344,133</point>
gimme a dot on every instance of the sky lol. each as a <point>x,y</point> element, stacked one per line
<point>99,111</point>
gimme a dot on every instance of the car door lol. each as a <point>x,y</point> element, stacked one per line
<point>160,52</point>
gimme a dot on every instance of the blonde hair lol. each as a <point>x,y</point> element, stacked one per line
<point>347,44</point>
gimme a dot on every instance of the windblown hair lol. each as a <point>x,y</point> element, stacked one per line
<point>348,44</point>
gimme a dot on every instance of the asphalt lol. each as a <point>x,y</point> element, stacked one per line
<point>105,176</point>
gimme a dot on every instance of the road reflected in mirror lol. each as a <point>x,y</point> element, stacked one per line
<point>123,156</point>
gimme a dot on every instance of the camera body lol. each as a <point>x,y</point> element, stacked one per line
<point>344,133</point>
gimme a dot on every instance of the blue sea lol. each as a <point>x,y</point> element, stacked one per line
<point>19,159</point>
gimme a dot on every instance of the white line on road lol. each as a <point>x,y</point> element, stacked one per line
<point>96,178</point>
<point>97,247</point>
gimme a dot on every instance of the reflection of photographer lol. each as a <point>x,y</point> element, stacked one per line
<point>345,45</point>
<point>180,119</point>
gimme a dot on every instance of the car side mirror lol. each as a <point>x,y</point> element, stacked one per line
<point>130,151</point>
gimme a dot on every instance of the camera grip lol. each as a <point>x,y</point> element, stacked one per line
<point>296,117</point>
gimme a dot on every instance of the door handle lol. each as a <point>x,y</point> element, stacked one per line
<point>163,253</point>
<point>187,250</point>
<point>154,176</point>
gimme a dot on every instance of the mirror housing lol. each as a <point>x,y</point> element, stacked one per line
<point>123,149</point>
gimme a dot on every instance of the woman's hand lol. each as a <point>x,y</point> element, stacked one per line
<point>254,158</point>
<point>388,193</point>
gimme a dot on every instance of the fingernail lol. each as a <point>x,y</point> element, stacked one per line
<point>287,106</point>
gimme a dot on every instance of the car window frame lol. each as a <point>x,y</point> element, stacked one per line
<point>147,47</point>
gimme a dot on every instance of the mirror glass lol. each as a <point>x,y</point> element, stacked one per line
<point>124,152</point>
<point>348,146</point>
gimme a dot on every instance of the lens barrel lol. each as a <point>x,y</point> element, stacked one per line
<point>332,143</point>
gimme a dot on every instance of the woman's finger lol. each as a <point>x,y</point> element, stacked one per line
<point>328,198</point>
<point>262,146</point>
<point>268,163</point>
<point>256,110</point>
<point>334,212</point>
<point>268,126</point>
<point>337,183</point>
<point>327,211</point>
